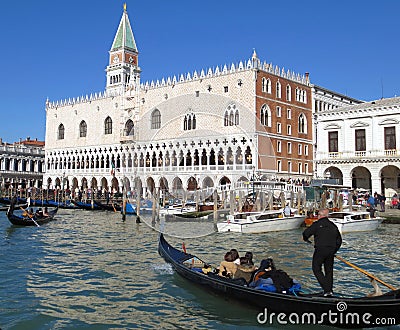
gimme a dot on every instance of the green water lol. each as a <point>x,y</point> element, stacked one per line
<point>90,270</point>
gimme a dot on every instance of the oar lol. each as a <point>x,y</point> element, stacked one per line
<point>30,217</point>
<point>365,272</point>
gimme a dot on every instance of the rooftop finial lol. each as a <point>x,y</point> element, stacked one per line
<point>254,54</point>
<point>124,6</point>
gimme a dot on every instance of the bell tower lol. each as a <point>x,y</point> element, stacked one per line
<point>123,70</point>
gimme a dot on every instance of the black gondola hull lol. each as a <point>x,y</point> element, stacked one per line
<point>34,221</point>
<point>348,312</point>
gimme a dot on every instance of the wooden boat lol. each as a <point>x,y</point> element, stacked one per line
<point>353,221</point>
<point>34,220</point>
<point>86,206</point>
<point>358,312</point>
<point>260,222</point>
<point>108,207</point>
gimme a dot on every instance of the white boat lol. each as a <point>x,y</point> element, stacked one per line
<point>176,212</point>
<point>354,221</point>
<point>260,222</point>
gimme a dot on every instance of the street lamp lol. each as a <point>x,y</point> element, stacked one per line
<point>63,183</point>
<point>252,178</point>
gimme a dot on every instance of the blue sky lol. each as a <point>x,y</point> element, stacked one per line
<point>59,49</point>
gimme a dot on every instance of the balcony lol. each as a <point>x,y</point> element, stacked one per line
<point>348,155</point>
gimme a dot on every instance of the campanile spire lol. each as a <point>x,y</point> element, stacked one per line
<point>123,59</point>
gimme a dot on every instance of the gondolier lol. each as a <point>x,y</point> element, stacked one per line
<point>327,241</point>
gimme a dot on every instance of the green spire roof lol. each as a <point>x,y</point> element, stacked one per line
<point>124,36</point>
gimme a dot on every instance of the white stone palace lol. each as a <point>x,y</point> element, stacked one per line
<point>22,164</point>
<point>359,145</point>
<point>215,126</point>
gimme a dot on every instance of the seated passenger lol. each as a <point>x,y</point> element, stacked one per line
<point>280,279</point>
<point>227,267</point>
<point>249,257</point>
<point>245,269</point>
<point>236,258</point>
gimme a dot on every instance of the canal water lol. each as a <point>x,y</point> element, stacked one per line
<point>91,270</point>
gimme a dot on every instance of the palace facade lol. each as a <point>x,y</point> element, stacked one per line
<point>224,125</point>
<point>21,164</point>
<point>359,145</point>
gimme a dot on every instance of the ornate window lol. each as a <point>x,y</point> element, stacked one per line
<point>129,128</point>
<point>231,117</point>
<point>265,115</point>
<point>60,133</point>
<point>302,123</point>
<point>108,126</point>
<point>266,85</point>
<point>288,93</point>
<point>189,122</point>
<point>278,90</point>
<point>82,129</point>
<point>155,119</point>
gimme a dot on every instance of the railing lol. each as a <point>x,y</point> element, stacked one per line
<point>165,169</point>
<point>22,150</point>
<point>357,154</point>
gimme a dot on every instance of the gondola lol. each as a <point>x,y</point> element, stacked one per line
<point>108,207</point>
<point>35,220</point>
<point>62,205</point>
<point>358,312</point>
<point>86,206</point>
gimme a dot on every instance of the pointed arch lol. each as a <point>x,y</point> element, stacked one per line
<point>129,128</point>
<point>302,123</point>
<point>155,119</point>
<point>108,125</point>
<point>60,132</point>
<point>82,129</point>
<point>265,115</point>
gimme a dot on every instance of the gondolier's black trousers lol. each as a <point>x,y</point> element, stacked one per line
<point>324,255</point>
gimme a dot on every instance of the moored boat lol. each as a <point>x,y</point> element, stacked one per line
<point>353,221</point>
<point>86,206</point>
<point>357,312</point>
<point>115,207</point>
<point>260,222</point>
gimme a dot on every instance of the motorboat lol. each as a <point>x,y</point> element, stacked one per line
<point>260,222</point>
<point>353,221</point>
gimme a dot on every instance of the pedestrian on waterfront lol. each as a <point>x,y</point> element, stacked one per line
<point>287,211</point>
<point>327,241</point>
<point>382,201</point>
<point>371,206</point>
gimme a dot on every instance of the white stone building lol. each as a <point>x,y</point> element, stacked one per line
<point>359,145</point>
<point>21,164</point>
